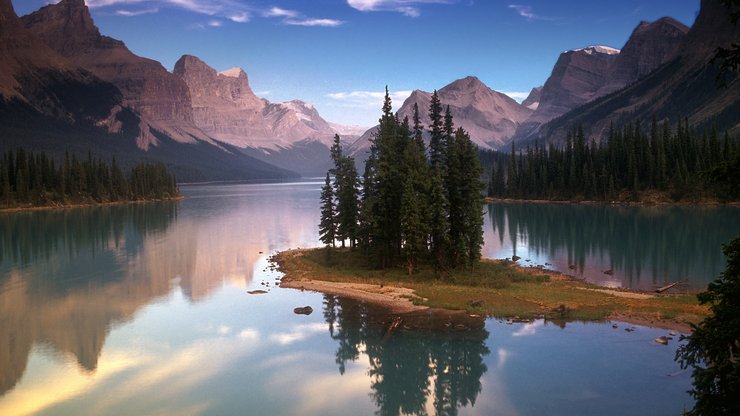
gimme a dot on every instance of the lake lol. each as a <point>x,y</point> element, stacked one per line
<point>143,309</point>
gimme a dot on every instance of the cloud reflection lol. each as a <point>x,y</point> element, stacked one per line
<point>528,329</point>
<point>299,333</point>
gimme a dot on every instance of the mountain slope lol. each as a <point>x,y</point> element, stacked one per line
<point>33,78</point>
<point>490,117</point>
<point>48,103</point>
<point>290,134</point>
<point>686,86</point>
<point>161,98</point>
<point>583,75</point>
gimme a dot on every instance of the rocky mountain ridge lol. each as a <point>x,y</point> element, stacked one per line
<point>209,107</point>
<point>490,117</point>
<point>582,75</point>
<point>686,85</point>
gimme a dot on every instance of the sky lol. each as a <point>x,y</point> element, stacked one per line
<point>340,54</point>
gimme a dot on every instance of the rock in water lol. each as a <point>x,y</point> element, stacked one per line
<point>662,340</point>
<point>306,310</point>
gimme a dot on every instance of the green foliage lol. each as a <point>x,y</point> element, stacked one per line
<point>327,226</point>
<point>34,179</point>
<point>628,163</point>
<point>339,204</point>
<point>713,349</point>
<point>420,210</point>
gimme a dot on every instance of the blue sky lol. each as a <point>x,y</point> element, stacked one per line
<point>339,54</point>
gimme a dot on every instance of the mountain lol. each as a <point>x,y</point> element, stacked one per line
<point>583,75</point>
<point>684,86</point>
<point>533,99</point>
<point>290,134</point>
<point>33,78</point>
<point>52,100</point>
<point>223,105</point>
<point>576,78</point>
<point>161,98</point>
<point>650,45</point>
<point>490,117</point>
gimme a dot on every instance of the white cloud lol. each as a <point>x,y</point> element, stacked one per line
<point>278,12</point>
<point>234,10</point>
<point>407,7</point>
<point>220,10</point>
<point>368,99</point>
<point>518,96</point>
<point>131,13</point>
<point>313,22</point>
<point>528,13</point>
<point>295,18</point>
<point>242,17</point>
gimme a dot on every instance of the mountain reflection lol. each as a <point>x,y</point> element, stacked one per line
<point>65,280</point>
<point>643,246</point>
<point>417,371</point>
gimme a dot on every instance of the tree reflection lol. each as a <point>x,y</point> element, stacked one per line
<point>660,243</point>
<point>429,358</point>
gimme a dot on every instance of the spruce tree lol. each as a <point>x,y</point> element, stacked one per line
<point>413,227</point>
<point>327,226</point>
<point>436,131</point>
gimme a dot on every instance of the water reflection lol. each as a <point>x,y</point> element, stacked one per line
<point>411,371</point>
<point>63,280</point>
<point>641,246</point>
<point>68,277</point>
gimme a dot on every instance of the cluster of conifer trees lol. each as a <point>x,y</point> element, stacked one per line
<point>35,179</point>
<point>680,163</point>
<point>410,205</point>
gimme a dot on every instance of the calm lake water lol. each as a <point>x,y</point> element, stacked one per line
<point>142,309</point>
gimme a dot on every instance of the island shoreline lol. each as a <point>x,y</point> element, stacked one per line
<point>398,299</point>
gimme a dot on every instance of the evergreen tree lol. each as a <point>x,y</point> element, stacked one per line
<point>413,227</point>
<point>327,226</point>
<point>436,141</point>
<point>347,182</point>
<point>438,225</point>
<point>470,201</point>
<point>713,348</point>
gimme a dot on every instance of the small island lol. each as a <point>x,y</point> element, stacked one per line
<point>497,288</point>
<point>408,237</point>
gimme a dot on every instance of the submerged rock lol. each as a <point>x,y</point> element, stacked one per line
<point>306,310</point>
<point>257,292</point>
<point>663,340</point>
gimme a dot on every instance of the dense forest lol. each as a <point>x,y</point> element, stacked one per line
<point>28,178</point>
<point>628,165</point>
<point>410,205</point>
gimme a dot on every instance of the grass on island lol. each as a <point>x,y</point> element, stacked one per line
<point>499,288</point>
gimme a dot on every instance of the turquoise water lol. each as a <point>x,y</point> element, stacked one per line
<point>642,247</point>
<point>143,309</point>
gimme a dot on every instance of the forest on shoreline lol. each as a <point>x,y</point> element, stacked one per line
<point>29,180</point>
<point>629,165</point>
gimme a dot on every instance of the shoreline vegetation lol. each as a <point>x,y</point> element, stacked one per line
<point>496,288</point>
<point>87,204</point>
<point>632,163</point>
<point>31,181</point>
<point>652,200</point>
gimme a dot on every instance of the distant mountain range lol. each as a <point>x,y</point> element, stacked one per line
<point>67,87</point>
<point>663,70</point>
